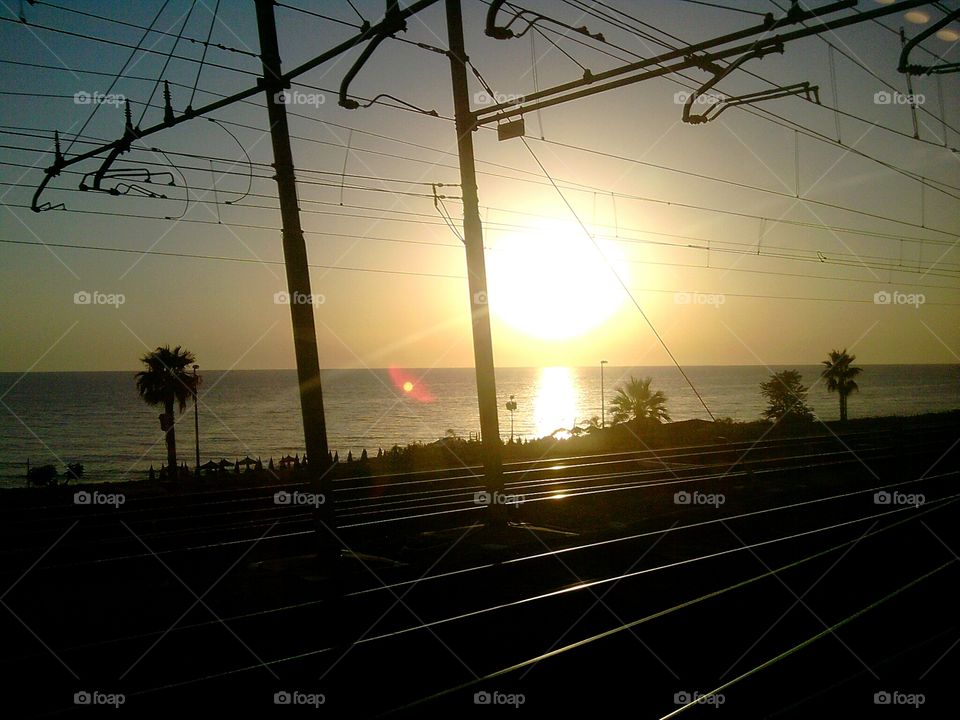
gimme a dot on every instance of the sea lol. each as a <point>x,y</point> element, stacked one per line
<point>97,418</point>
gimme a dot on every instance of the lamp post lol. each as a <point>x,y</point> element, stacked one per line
<point>196,419</point>
<point>603,404</point>
<point>511,406</point>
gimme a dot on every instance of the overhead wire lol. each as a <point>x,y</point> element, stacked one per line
<point>620,280</point>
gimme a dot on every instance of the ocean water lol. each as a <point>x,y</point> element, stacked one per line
<point>98,419</point>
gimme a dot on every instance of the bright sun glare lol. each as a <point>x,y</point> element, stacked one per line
<point>552,283</point>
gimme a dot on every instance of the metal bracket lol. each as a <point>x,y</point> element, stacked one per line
<point>504,32</point>
<point>393,22</point>
<point>910,69</point>
<point>720,72</point>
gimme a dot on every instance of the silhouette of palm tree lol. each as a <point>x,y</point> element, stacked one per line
<point>839,374</point>
<point>634,401</point>
<point>165,381</point>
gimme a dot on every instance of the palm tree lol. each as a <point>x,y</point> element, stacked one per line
<point>634,401</point>
<point>839,374</point>
<point>164,382</point>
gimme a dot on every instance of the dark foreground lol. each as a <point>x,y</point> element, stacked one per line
<point>771,572</point>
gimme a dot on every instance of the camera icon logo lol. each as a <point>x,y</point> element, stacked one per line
<point>82,498</point>
<point>482,698</point>
<point>281,297</point>
<point>282,97</point>
<point>82,698</point>
<point>82,98</point>
<point>882,498</point>
<point>882,97</point>
<point>481,497</point>
<point>681,498</point>
<point>882,698</point>
<point>480,298</point>
<point>282,698</point>
<point>82,298</point>
<point>282,497</point>
<point>882,297</point>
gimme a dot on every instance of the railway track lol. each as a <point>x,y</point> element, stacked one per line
<point>547,604</point>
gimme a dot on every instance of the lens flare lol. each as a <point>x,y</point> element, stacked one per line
<point>410,386</point>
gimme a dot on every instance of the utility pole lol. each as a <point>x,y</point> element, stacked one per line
<point>603,400</point>
<point>196,417</point>
<point>465,122</point>
<point>298,282</point>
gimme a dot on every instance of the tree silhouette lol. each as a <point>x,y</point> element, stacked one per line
<point>787,398</point>
<point>839,374</point>
<point>635,401</point>
<point>165,381</point>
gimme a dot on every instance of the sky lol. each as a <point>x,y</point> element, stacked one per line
<point>770,235</point>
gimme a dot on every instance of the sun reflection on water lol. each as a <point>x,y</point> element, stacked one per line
<point>555,405</point>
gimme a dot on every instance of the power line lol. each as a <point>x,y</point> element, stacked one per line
<point>118,43</point>
<point>805,276</point>
<point>708,245</point>
<point>255,261</point>
<point>151,30</point>
<point>620,280</point>
<point>586,188</point>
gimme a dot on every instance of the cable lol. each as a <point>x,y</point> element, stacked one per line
<point>166,62</point>
<point>196,79</point>
<point>136,48</point>
<point>257,261</point>
<point>141,27</point>
<point>725,7</point>
<point>925,181</point>
<point>619,279</point>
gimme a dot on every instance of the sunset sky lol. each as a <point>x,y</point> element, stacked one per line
<point>701,222</point>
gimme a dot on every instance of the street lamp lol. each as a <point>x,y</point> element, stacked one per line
<point>603,405</point>
<point>196,418</point>
<point>511,406</point>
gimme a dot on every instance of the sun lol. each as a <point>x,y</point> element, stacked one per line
<point>408,386</point>
<point>552,283</point>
